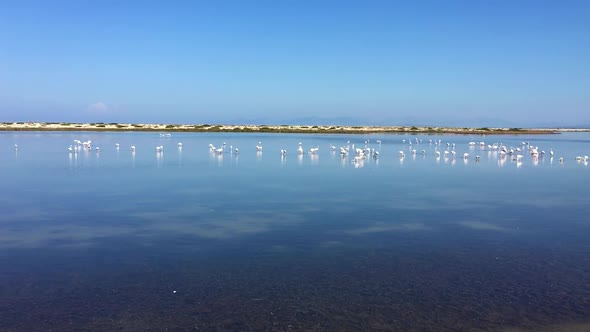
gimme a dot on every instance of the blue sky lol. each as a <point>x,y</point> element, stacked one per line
<point>465,63</point>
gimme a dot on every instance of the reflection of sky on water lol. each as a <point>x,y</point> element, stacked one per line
<point>324,230</point>
<point>178,190</point>
<point>484,226</point>
<point>389,228</point>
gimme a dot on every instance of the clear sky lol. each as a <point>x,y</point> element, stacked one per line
<point>476,62</point>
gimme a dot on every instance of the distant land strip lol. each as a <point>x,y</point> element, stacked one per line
<point>66,126</point>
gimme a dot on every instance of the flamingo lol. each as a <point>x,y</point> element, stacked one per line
<point>357,159</point>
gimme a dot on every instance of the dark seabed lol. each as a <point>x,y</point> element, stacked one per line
<point>188,239</point>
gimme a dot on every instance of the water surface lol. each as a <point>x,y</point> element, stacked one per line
<point>188,239</point>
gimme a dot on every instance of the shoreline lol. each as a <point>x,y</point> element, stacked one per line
<point>298,129</point>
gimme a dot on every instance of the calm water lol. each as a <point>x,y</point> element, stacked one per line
<point>189,239</point>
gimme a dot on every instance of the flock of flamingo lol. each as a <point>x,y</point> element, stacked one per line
<point>360,153</point>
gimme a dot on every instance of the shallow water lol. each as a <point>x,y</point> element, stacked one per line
<point>191,239</point>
